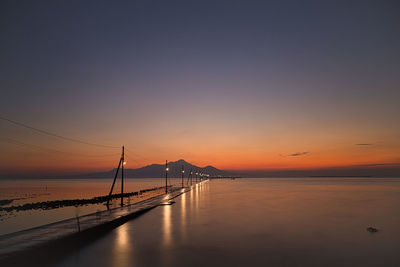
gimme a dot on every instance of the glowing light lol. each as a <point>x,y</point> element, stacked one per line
<point>183,171</point>
<point>183,216</point>
<point>124,162</point>
<point>167,169</point>
<point>167,235</point>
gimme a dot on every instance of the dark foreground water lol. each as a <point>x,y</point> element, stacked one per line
<point>261,222</point>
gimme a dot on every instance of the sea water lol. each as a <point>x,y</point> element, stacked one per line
<point>260,222</point>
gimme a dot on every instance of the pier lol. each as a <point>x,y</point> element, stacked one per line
<point>71,233</point>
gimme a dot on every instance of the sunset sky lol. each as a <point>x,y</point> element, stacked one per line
<point>234,84</point>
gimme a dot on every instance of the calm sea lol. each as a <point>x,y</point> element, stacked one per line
<point>260,222</point>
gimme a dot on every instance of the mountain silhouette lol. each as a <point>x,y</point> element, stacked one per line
<point>158,171</point>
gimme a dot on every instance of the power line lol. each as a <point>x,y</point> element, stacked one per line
<point>129,160</point>
<point>134,155</point>
<point>54,134</point>
<point>46,149</point>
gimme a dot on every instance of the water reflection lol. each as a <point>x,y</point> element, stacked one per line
<point>167,236</point>
<point>191,201</point>
<point>196,198</point>
<point>122,237</point>
<point>122,246</point>
<point>264,222</point>
<point>183,216</point>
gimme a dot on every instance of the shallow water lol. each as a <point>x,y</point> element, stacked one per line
<point>254,222</point>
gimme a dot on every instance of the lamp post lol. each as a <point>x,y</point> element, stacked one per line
<point>122,175</point>
<point>166,176</point>
<point>183,171</point>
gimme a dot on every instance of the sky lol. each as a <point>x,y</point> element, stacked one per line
<point>253,85</point>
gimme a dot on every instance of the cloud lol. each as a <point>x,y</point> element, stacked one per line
<point>297,154</point>
<point>364,144</point>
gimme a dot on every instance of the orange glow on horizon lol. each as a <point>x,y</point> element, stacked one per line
<point>226,150</point>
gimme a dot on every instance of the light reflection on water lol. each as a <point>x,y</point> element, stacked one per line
<point>122,237</point>
<point>167,236</point>
<point>196,193</point>
<point>264,222</point>
<point>191,202</point>
<point>183,216</point>
<point>123,247</point>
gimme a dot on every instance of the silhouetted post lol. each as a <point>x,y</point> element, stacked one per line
<point>122,176</point>
<point>183,171</point>
<point>115,177</point>
<point>190,177</point>
<point>166,177</point>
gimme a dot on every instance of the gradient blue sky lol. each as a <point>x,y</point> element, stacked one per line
<point>236,84</point>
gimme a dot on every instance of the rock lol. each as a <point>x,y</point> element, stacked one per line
<point>372,230</point>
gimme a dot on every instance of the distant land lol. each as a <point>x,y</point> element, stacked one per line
<point>158,171</point>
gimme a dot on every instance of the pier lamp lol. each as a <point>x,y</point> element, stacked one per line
<point>166,176</point>
<point>124,163</point>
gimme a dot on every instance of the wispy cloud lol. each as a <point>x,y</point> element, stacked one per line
<point>297,154</point>
<point>364,144</point>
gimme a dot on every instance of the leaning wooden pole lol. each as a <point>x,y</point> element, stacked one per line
<point>115,178</point>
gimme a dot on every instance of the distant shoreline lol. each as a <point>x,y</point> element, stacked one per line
<point>343,176</point>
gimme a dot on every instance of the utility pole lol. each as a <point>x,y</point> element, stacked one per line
<point>121,162</point>
<point>183,171</point>
<point>190,176</point>
<point>122,176</point>
<point>166,176</point>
